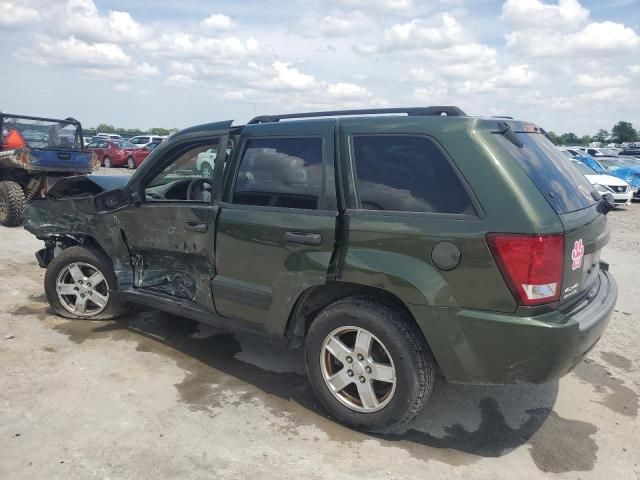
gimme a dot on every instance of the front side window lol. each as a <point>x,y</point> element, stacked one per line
<point>407,174</point>
<point>280,172</point>
<point>182,180</point>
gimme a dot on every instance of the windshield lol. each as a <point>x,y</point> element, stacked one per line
<point>50,134</point>
<point>608,151</point>
<point>123,144</point>
<point>564,187</point>
<point>620,162</point>
<point>582,168</point>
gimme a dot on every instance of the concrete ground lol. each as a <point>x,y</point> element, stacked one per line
<point>152,397</point>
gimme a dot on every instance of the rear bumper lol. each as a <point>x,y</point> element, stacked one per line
<point>482,347</point>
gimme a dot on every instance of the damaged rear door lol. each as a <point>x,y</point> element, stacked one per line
<point>170,234</point>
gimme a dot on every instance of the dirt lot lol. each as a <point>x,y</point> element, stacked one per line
<point>152,397</point>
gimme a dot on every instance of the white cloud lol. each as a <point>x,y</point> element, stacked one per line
<point>71,51</point>
<point>600,80</point>
<point>197,47</point>
<point>347,90</point>
<point>121,87</point>
<point>336,24</point>
<point>634,69</point>
<point>13,14</point>
<point>179,80</point>
<point>218,22</point>
<point>287,76</point>
<point>438,32</point>
<point>604,38</point>
<point>517,76</point>
<point>566,15</point>
<point>83,19</point>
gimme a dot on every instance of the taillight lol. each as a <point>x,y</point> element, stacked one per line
<point>14,140</point>
<point>532,265</point>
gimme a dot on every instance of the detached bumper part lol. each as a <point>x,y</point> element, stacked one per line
<point>487,348</point>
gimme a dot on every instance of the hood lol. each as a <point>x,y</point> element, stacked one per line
<point>86,185</point>
<point>608,180</point>
<point>631,175</point>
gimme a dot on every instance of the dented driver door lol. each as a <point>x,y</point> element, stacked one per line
<point>170,234</point>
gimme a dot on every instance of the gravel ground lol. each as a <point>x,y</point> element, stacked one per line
<point>152,396</point>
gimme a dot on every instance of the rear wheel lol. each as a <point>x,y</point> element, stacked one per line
<point>12,203</point>
<point>106,162</point>
<point>369,364</point>
<point>78,284</point>
<point>131,164</point>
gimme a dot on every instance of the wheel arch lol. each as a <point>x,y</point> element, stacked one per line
<point>314,299</point>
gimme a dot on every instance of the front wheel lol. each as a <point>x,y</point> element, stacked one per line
<point>131,164</point>
<point>369,364</point>
<point>12,203</point>
<point>106,162</point>
<point>79,283</point>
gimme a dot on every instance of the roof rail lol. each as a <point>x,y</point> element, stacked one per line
<point>450,111</point>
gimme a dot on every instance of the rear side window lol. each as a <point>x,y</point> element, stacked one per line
<point>280,172</point>
<point>566,189</point>
<point>407,174</point>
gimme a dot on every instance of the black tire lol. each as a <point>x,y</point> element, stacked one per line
<point>414,364</point>
<point>106,162</point>
<point>12,203</point>
<point>131,164</point>
<point>93,258</point>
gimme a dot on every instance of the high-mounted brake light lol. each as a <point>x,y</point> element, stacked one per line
<point>532,265</point>
<point>14,140</point>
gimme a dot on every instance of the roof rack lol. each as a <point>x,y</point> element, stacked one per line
<point>449,111</point>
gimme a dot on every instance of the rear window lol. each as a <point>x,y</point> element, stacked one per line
<point>44,133</point>
<point>566,189</point>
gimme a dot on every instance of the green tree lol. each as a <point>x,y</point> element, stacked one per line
<point>553,137</point>
<point>159,131</point>
<point>569,139</point>
<point>105,128</point>
<point>585,140</point>
<point>602,136</point>
<point>624,132</point>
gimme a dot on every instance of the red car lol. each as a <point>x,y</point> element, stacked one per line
<point>137,156</point>
<point>111,153</point>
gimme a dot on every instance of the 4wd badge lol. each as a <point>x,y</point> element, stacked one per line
<point>576,254</point>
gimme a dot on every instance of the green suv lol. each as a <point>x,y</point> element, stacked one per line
<point>390,243</point>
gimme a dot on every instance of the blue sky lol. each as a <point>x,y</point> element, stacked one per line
<point>564,64</point>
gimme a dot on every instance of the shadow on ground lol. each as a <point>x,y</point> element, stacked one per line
<point>460,424</point>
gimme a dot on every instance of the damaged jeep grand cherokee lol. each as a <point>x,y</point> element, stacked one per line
<point>389,243</point>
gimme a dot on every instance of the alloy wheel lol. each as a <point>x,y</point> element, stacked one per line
<point>82,289</point>
<point>358,369</point>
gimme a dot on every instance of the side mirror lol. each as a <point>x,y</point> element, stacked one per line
<point>112,200</point>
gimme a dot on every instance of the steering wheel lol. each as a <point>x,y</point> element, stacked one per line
<point>192,184</point>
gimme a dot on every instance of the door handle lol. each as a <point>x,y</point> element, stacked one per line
<point>303,238</point>
<point>195,227</point>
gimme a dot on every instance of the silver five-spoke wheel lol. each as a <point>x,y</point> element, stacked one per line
<point>82,289</point>
<point>358,369</point>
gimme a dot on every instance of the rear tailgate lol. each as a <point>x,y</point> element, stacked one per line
<point>586,233</point>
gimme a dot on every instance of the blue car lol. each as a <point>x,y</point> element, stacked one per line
<point>625,168</point>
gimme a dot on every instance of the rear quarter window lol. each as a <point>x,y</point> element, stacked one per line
<point>407,173</point>
<point>564,187</point>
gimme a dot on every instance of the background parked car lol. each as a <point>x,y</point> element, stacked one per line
<point>110,136</point>
<point>626,168</point>
<point>142,140</point>
<point>111,153</point>
<point>138,155</point>
<point>632,152</point>
<point>204,162</point>
<point>608,186</point>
